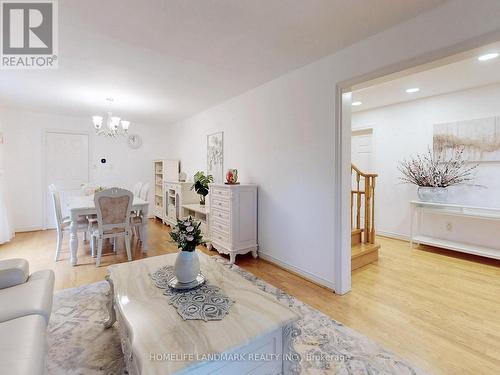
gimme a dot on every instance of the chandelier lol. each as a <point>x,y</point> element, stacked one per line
<point>109,125</point>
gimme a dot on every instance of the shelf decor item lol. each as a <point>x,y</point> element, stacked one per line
<point>434,173</point>
<point>187,235</point>
<point>231,176</point>
<point>201,185</point>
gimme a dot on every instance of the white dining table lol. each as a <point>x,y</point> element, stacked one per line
<point>83,206</point>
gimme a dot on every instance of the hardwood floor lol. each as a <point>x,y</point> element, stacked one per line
<point>438,309</point>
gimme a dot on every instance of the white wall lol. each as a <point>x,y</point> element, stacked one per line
<point>281,134</point>
<point>6,231</point>
<point>403,130</point>
<point>23,133</point>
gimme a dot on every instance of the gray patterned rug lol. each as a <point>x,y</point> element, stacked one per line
<point>78,344</point>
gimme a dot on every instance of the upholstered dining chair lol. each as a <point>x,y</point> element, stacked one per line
<point>63,223</point>
<point>113,219</point>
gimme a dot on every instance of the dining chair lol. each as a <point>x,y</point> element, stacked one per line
<point>63,223</point>
<point>137,189</point>
<point>137,220</point>
<point>113,219</point>
<point>144,192</point>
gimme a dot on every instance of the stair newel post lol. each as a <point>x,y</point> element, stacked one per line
<point>352,205</point>
<point>367,210</point>
<point>372,235</point>
<point>358,201</point>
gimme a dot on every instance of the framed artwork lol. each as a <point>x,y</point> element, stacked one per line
<point>480,139</point>
<point>215,156</point>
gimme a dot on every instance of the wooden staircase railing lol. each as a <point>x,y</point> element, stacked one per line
<point>363,201</point>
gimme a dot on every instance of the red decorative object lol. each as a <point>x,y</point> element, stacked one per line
<point>231,176</point>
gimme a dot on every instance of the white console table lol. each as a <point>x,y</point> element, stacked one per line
<point>418,208</point>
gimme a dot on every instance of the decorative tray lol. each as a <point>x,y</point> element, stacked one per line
<point>175,284</point>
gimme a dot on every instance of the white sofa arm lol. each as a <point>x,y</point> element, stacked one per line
<point>13,272</point>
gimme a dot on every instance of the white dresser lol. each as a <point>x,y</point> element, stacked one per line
<point>177,194</point>
<point>233,219</point>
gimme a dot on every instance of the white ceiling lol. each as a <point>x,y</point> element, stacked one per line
<point>165,60</point>
<point>460,75</point>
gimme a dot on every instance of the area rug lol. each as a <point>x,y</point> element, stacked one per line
<point>78,343</point>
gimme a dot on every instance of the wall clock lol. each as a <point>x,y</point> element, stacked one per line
<point>134,141</point>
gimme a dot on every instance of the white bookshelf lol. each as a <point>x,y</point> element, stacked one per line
<point>163,170</point>
<point>177,194</point>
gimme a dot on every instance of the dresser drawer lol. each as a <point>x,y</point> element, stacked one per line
<point>220,215</point>
<point>215,236</point>
<point>220,226</point>
<point>221,203</point>
<point>220,192</point>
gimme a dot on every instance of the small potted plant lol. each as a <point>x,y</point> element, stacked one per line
<point>434,174</point>
<point>201,185</point>
<point>187,235</point>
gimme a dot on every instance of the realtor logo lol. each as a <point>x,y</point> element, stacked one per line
<point>28,34</point>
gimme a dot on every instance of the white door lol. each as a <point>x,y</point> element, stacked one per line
<point>361,150</point>
<point>66,166</point>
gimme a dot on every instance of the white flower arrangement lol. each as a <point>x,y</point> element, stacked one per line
<point>187,234</point>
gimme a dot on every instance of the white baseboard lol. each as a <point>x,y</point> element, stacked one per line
<point>305,274</point>
<point>28,229</point>
<point>396,236</point>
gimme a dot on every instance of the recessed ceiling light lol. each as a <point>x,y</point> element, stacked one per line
<point>412,90</point>
<point>488,56</point>
<point>355,104</point>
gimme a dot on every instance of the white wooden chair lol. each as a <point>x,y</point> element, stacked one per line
<point>144,194</point>
<point>137,221</point>
<point>63,223</point>
<point>137,189</point>
<point>113,219</point>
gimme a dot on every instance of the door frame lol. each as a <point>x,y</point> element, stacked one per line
<point>45,188</point>
<point>342,142</point>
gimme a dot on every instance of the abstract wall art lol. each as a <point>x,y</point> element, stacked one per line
<point>480,139</point>
<point>215,156</point>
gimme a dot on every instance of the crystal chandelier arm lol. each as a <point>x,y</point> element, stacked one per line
<point>125,125</point>
<point>97,120</point>
<point>112,123</point>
